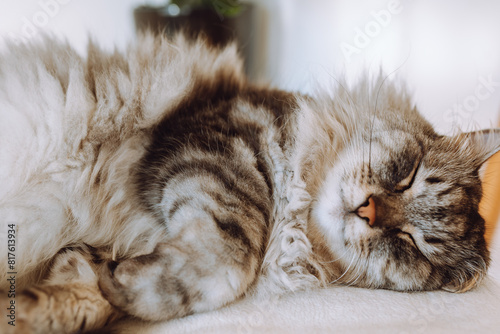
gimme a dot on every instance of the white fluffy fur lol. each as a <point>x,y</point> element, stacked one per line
<point>67,122</point>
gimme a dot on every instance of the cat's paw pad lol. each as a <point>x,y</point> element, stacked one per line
<point>131,285</point>
<point>114,287</point>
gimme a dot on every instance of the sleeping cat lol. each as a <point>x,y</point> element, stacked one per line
<point>160,183</point>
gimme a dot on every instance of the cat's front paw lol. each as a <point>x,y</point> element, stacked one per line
<point>170,283</point>
<point>134,286</point>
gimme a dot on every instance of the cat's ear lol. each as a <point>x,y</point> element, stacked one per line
<point>484,143</point>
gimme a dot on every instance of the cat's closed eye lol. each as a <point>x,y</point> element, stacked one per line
<point>432,240</point>
<point>406,236</point>
<point>407,182</point>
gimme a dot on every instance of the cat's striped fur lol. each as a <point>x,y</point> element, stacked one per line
<point>161,183</point>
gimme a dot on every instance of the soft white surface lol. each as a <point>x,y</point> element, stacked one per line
<point>348,310</point>
<point>352,310</point>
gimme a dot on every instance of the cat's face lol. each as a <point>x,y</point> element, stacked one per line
<point>399,210</point>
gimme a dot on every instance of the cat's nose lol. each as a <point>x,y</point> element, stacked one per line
<point>367,211</point>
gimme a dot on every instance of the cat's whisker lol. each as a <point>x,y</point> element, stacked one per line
<point>345,271</point>
<point>357,275</point>
<point>338,258</point>
<point>352,281</point>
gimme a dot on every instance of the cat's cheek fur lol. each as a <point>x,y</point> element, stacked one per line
<point>329,211</point>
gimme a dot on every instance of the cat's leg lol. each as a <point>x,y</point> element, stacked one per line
<point>69,301</point>
<point>210,263</point>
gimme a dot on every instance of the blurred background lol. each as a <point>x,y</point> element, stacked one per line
<point>448,51</point>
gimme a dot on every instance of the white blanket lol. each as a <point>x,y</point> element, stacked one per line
<point>348,310</point>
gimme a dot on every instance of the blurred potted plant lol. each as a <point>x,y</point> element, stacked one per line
<point>225,8</point>
<point>220,21</point>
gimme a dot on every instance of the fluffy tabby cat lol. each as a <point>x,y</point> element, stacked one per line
<point>161,183</point>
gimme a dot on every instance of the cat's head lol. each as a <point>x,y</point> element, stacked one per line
<point>399,207</point>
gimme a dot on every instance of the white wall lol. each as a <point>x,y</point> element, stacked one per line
<point>445,49</point>
<point>109,21</point>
